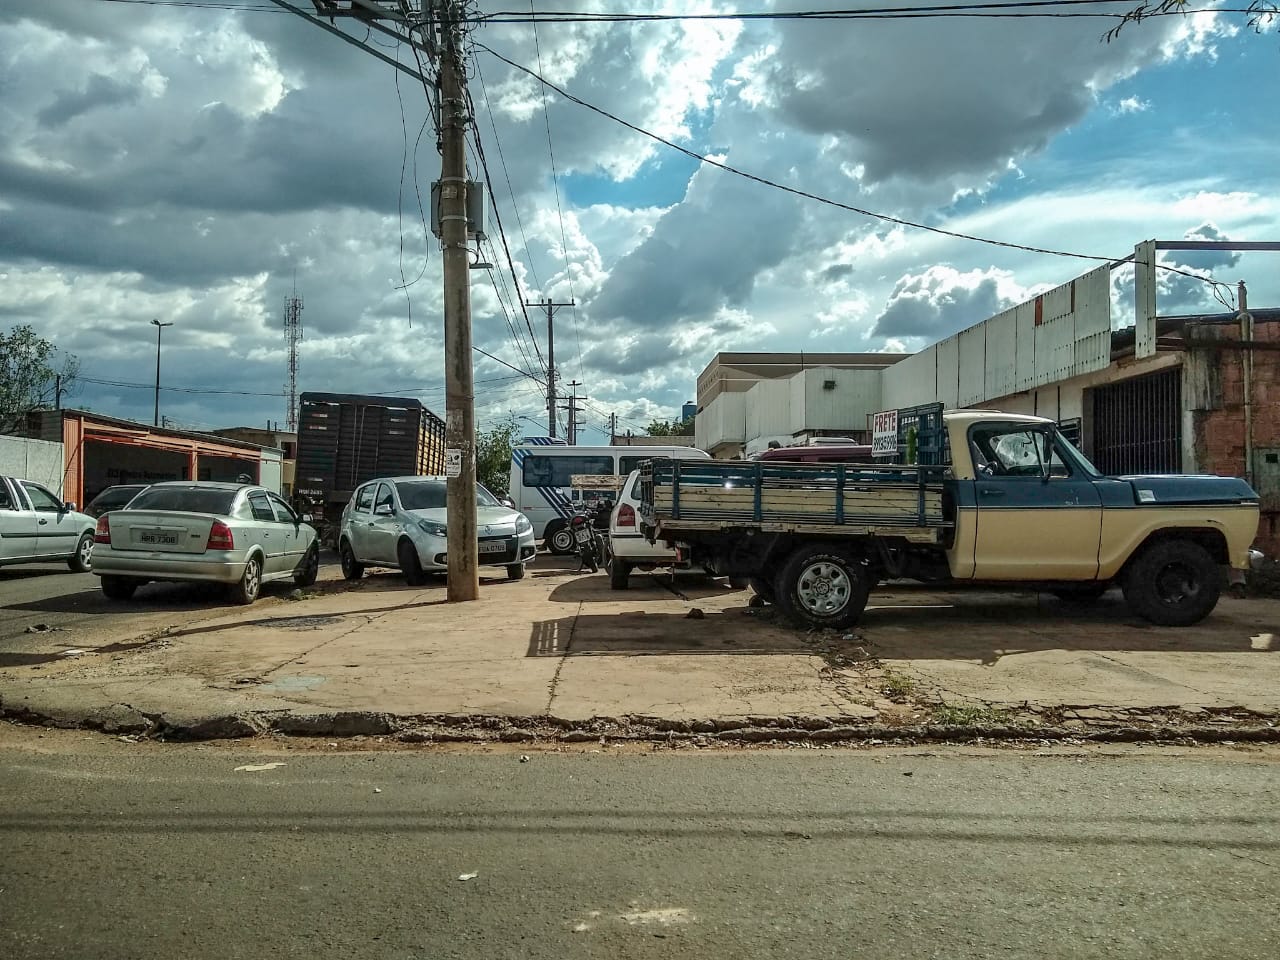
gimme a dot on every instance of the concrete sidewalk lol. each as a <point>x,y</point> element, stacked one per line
<point>563,649</point>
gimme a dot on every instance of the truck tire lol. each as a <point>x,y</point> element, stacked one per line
<point>1173,583</point>
<point>559,539</point>
<point>822,587</point>
<point>352,569</point>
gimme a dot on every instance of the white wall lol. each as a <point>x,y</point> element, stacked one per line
<point>856,394</point>
<point>38,460</point>
<point>269,469</point>
<point>721,421</point>
<point>768,409</point>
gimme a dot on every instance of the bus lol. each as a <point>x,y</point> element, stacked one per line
<point>541,480</point>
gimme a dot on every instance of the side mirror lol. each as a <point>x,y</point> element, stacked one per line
<point>383,510</point>
<point>69,507</point>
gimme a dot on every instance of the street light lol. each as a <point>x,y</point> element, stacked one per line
<point>159,326</point>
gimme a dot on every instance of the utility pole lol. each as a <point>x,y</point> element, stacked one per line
<point>574,410</point>
<point>550,309</point>
<point>159,327</point>
<point>613,428</point>
<point>292,336</point>
<point>459,404</point>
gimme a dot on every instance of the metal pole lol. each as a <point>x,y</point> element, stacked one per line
<point>464,581</point>
<point>155,422</point>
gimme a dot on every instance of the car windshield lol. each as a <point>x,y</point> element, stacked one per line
<point>189,499</point>
<point>432,495</point>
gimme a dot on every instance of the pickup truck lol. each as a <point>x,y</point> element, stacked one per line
<point>1010,503</point>
<point>35,525</point>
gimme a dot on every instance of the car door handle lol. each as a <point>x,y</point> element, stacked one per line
<point>991,491</point>
<point>43,522</point>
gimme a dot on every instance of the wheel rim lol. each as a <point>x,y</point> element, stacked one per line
<point>824,588</point>
<point>1176,583</point>
<point>251,579</point>
<point>86,554</point>
<point>562,539</point>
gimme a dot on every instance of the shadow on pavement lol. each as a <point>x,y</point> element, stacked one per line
<point>640,633</point>
<point>644,587</point>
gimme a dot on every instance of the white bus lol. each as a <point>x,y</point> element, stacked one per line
<point>541,480</point>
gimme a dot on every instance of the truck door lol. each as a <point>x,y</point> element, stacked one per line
<point>1036,519</point>
<point>17,524</point>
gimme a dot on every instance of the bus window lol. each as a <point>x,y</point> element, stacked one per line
<point>558,471</point>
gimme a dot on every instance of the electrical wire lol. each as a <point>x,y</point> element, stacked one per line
<point>555,183</point>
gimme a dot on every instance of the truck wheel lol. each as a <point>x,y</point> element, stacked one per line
<point>1173,583</point>
<point>764,589</point>
<point>410,565</point>
<point>351,568</point>
<point>560,541</point>
<point>823,588</point>
<point>619,574</point>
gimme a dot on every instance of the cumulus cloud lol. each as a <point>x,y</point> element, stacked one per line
<point>941,300</point>
<point>1207,260</point>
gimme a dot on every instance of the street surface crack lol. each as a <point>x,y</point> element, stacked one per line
<point>555,679</point>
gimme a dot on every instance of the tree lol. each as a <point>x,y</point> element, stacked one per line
<point>674,428</point>
<point>33,375</point>
<point>1260,14</point>
<point>493,455</point>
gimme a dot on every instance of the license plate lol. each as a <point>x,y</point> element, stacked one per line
<point>584,536</point>
<point>159,536</point>
<point>493,546</point>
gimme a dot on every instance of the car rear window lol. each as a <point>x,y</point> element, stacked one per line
<point>189,499</point>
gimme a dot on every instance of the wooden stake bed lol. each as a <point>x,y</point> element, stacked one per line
<point>849,499</point>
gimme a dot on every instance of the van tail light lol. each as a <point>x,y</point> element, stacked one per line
<point>103,533</point>
<point>220,537</point>
<point>626,515</point>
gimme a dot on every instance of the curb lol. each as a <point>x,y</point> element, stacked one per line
<point>465,728</point>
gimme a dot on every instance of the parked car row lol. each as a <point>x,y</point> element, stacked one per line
<point>243,536</point>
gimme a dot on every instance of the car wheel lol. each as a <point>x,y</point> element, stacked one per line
<point>118,588</point>
<point>739,583</point>
<point>82,560</point>
<point>1173,583</point>
<point>410,565</point>
<point>515,571</point>
<point>246,591</point>
<point>351,568</point>
<point>619,574</point>
<point>310,568</point>
<point>821,587</point>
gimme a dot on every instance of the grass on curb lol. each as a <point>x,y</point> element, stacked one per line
<point>970,715</point>
<point>897,686</point>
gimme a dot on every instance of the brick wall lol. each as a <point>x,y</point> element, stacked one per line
<point>1217,396</point>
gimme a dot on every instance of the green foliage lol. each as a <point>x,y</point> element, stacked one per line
<point>673,428</point>
<point>493,455</point>
<point>29,370</point>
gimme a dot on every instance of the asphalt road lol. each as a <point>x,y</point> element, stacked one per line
<point>117,850</point>
<point>36,596</point>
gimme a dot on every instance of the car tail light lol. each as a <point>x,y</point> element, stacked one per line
<point>103,533</point>
<point>626,515</point>
<point>220,537</point>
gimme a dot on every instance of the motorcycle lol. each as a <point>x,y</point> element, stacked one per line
<point>587,525</point>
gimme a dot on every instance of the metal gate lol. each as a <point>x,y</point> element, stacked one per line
<point>1137,425</point>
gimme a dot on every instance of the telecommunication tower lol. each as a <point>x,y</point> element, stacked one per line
<point>292,337</point>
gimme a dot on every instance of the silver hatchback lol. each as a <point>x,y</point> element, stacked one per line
<point>239,535</point>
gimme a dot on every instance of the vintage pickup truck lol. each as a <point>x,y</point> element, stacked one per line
<point>1011,502</point>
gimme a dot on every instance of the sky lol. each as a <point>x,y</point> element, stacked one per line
<point>199,164</point>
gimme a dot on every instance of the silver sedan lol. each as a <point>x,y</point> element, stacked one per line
<point>401,522</point>
<point>239,535</point>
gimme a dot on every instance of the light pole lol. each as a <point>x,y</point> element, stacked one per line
<point>159,326</point>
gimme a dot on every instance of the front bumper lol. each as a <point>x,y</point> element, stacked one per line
<point>138,565</point>
<point>433,555</point>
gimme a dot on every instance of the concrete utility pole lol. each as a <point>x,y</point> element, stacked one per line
<point>550,308</point>
<point>159,327</point>
<point>459,403</point>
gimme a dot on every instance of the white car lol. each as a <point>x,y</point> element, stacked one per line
<point>200,531</point>
<point>628,548</point>
<point>400,522</point>
<point>35,525</point>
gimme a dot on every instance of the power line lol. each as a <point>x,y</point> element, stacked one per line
<point>555,183</point>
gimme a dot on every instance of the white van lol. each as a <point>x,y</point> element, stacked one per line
<point>541,480</point>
